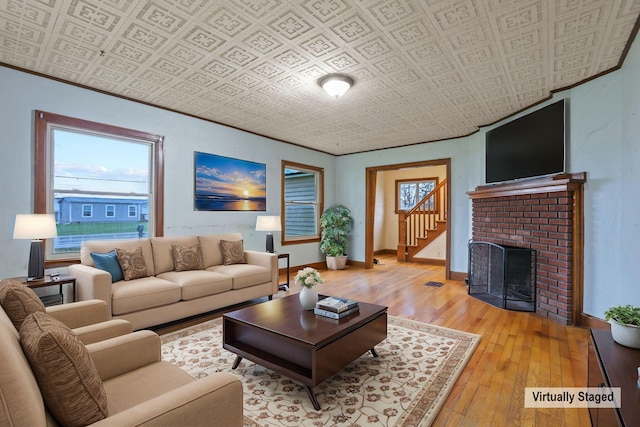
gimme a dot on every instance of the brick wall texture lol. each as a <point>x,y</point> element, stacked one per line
<point>542,221</point>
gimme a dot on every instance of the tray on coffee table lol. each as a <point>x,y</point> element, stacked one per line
<point>309,348</point>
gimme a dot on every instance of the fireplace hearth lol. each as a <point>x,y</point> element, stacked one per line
<point>502,275</point>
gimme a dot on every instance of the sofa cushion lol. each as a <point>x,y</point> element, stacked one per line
<point>143,384</point>
<point>104,246</point>
<point>198,283</point>
<point>187,258</point>
<point>132,263</point>
<point>244,275</point>
<point>232,252</point>
<point>140,294</point>
<point>210,247</point>
<point>68,379</point>
<point>109,263</point>
<point>163,254</point>
<point>19,301</point>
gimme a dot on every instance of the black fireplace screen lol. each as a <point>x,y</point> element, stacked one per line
<point>503,276</point>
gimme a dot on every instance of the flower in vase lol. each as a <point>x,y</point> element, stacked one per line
<point>308,277</point>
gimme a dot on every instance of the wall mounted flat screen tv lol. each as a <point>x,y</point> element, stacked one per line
<point>530,146</point>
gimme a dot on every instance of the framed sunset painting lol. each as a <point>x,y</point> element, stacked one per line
<point>226,184</point>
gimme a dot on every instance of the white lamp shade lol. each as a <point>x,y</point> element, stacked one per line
<point>35,226</point>
<point>268,223</point>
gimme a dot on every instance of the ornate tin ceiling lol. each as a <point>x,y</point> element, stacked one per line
<point>425,70</point>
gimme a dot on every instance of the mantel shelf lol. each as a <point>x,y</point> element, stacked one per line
<point>550,184</point>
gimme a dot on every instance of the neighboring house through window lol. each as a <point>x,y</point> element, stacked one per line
<point>303,200</point>
<point>96,179</point>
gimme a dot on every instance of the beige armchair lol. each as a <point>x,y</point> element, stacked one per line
<point>90,320</point>
<point>49,377</point>
<point>142,389</point>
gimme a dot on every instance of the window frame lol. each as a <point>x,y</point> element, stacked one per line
<point>286,164</point>
<point>399,182</point>
<point>135,211</point>
<point>107,211</point>
<point>44,121</point>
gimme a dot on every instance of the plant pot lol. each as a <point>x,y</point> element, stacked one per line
<point>336,262</point>
<point>308,298</point>
<point>626,335</point>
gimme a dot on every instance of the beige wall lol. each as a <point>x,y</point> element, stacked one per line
<point>386,219</point>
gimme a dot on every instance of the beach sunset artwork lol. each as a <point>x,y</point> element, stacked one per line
<point>226,184</point>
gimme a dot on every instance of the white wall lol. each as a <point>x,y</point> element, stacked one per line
<point>21,94</point>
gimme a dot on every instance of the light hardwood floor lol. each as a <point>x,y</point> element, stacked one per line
<point>517,349</point>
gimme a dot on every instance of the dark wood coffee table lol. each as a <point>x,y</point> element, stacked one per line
<point>299,344</point>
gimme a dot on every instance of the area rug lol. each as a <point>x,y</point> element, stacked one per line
<point>406,385</point>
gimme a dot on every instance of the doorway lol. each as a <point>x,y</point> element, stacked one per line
<point>372,192</point>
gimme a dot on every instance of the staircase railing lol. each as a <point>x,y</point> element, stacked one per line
<point>424,216</point>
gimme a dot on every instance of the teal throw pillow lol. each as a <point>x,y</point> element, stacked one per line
<point>108,262</point>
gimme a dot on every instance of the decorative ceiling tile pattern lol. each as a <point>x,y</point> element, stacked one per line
<point>425,70</point>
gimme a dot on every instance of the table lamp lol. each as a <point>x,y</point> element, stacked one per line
<point>268,224</point>
<point>35,227</point>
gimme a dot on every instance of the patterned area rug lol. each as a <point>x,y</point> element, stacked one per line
<point>405,386</point>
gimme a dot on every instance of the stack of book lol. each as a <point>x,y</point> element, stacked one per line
<point>335,307</point>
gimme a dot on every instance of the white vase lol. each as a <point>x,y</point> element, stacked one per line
<point>308,298</point>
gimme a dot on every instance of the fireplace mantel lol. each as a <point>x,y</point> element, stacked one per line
<point>549,184</point>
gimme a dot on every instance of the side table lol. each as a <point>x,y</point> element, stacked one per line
<point>284,286</point>
<point>46,281</point>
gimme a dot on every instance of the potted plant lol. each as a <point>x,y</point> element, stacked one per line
<point>336,226</point>
<point>625,324</point>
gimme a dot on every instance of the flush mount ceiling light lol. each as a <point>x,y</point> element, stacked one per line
<point>336,84</point>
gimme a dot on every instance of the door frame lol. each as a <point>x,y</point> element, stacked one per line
<point>371,181</point>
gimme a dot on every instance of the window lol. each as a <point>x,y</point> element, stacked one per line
<point>84,169</point>
<point>303,200</point>
<point>410,192</point>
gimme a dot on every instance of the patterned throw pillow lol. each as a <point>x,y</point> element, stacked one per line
<point>132,263</point>
<point>18,301</point>
<point>186,258</point>
<point>232,252</point>
<point>68,379</point>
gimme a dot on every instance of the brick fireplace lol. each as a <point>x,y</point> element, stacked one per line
<point>543,214</point>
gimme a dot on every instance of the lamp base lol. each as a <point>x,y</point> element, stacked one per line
<point>36,261</point>
<point>269,246</point>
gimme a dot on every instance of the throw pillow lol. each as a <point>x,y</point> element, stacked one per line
<point>132,263</point>
<point>186,258</point>
<point>18,301</point>
<point>109,263</point>
<point>232,252</point>
<point>68,379</point>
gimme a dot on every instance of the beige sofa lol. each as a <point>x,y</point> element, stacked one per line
<point>165,294</point>
<point>134,387</point>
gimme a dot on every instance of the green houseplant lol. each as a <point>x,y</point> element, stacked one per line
<point>336,226</point>
<point>625,324</point>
